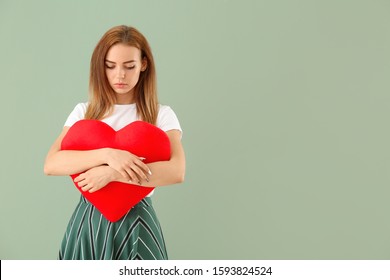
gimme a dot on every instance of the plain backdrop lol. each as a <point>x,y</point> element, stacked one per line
<point>285,111</point>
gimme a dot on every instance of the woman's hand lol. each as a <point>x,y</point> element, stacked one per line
<point>95,178</point>
<point>128,165</point>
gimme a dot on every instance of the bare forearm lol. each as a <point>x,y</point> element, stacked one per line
<point>72,162</point>
<point>168,172</point>
<point>163,173</point>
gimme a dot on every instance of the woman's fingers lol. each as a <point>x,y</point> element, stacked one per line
<point>131,167</point>
<point>90,188</point>
<point>143,166</point>
<point>142,169</point>
<point>85,188</point>
<point>138,174</point>
<point>125,174</point>
<point>136,171</point>
<point>129,174</point>
<point>80,180</point>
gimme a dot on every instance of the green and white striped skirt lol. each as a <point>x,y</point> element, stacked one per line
<point>90,236</point>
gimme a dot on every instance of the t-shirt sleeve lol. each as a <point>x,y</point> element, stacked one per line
<point>77,114</point>
<point>167,119</point>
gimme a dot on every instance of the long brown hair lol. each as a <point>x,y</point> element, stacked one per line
<point>102,96</point>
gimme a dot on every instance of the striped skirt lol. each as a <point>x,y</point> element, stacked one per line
<point>89,236</point>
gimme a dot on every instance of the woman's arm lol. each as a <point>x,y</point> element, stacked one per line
<point>168,172</point>
<point>172,171</point>
<point>163,172</point>
<point>68,162</point>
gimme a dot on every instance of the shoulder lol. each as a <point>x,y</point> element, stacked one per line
<point>81,107</point>
<point>167,119</point>
<point>165,111</point>
<point>77,114</point>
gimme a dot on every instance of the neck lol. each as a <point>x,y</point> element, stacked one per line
<point>127,98</point>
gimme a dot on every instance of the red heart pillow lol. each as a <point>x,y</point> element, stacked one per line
<point>139,138</point>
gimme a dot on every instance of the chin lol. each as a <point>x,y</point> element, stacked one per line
<point>123,92</point>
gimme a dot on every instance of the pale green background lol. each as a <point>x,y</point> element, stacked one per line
<point>285,111</point>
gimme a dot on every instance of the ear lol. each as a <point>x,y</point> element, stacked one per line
<point>144,64</point>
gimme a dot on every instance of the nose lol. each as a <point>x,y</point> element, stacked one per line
<point>121,73</point>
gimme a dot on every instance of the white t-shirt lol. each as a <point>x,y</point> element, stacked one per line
<point>125,114</point>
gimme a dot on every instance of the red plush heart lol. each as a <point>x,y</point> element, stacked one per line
<point>139,138</point>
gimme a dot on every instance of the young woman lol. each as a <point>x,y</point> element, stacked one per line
<point>122,90</point>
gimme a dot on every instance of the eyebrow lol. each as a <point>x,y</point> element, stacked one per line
<point>123,62</point>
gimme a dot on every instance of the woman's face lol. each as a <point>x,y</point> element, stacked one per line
<point>123,67</point>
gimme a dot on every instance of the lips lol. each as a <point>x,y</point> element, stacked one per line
<point>120,85</point>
